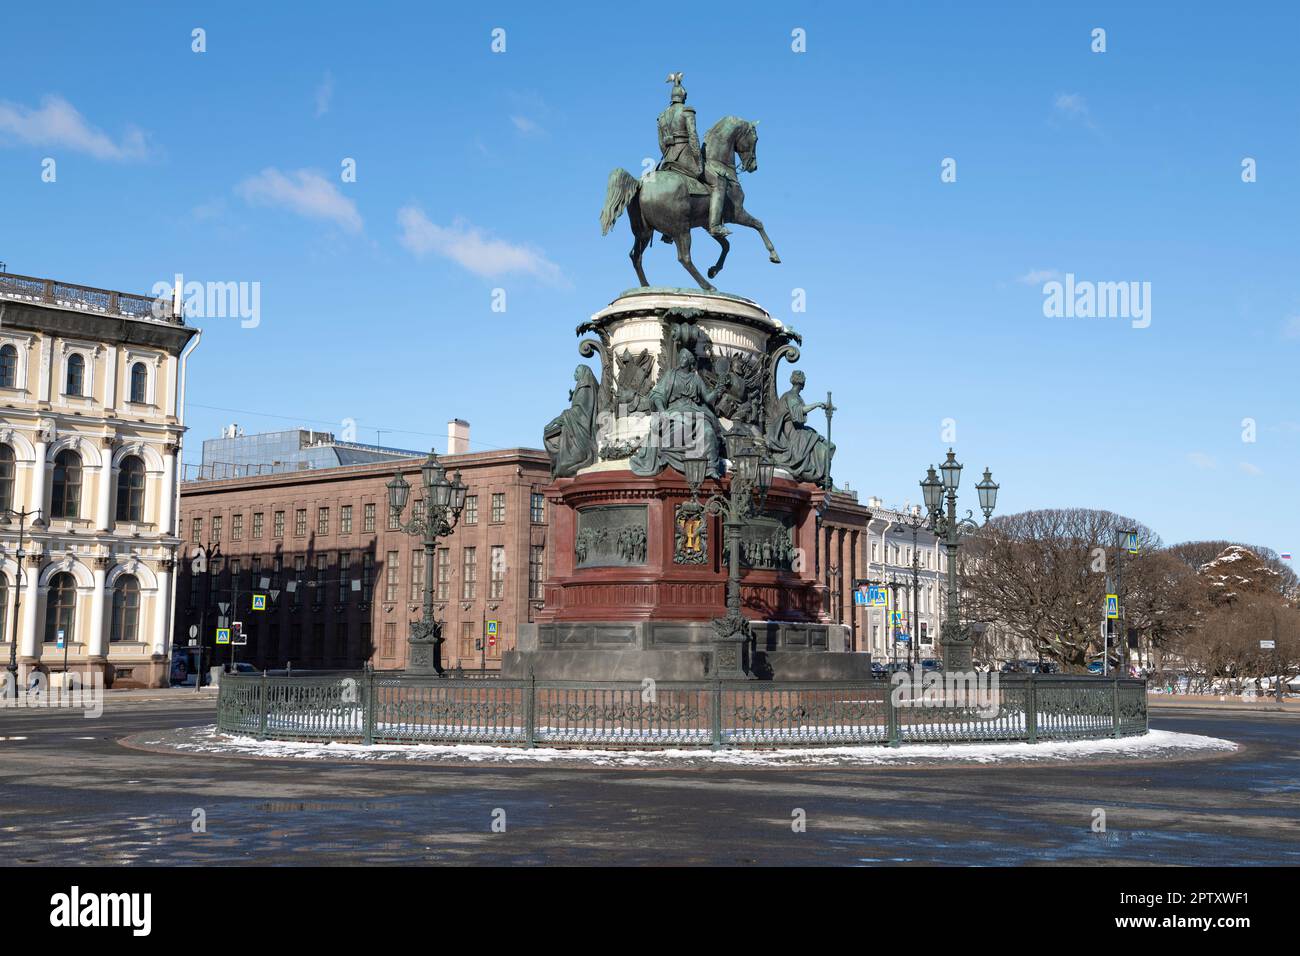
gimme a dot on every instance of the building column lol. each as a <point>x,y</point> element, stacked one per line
<point>97,639</point>
<point>30,641</point>
<point>162,608</point>
<point>168,491</point>
<point>36,496</point>
<point>103,514</point>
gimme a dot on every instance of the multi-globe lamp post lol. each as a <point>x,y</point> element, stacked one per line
<point>444,499</point>
<point>941,503</point>
<point>38,524</point>
<point>751,478</point>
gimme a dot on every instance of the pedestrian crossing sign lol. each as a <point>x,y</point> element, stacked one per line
<point>259,602</point>
<point>1112,607</point>
<point>223,635</point>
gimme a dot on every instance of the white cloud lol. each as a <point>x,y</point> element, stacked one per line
<point>56,123</point>
<point>1073,107</point>
<point>472,249</point>
<point>305,192</point>
<point>526,126</point>
<point>1250,469</point>
<point>1202,461</point>
<point>1039,276</point>
<point>324,94</point>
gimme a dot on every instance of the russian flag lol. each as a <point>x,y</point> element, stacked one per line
<point>1286,555</point>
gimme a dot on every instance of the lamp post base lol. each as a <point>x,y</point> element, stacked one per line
<point>955,645</point>
<point>424,649</point>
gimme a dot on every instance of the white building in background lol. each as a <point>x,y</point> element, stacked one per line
<point>91,395</point>
<point>888,554</point>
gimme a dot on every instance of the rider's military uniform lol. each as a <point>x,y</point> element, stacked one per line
<point>680,144</point>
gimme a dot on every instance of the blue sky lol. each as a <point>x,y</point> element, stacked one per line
<point>479,170</point>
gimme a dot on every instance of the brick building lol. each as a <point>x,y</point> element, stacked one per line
<point>349,581</point>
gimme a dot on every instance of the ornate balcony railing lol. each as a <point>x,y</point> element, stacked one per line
<point>394,707</point>
<point>87,299</point>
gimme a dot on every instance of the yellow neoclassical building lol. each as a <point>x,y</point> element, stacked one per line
<point>91,392</point>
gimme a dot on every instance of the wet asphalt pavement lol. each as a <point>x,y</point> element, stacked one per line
<point>71,794</point>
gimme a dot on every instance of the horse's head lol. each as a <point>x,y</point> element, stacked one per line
<point>747,146</point>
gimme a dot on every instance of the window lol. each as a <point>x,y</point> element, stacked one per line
<point>345,582</point>
<point>322,521</point>
<point>236,527</point>
<point>257,524</point>
<point>537,508</point>
<point>390,576</point>
<point>497,573</point>
<point>873,551</point>
<point>468,651</point>
<point>468,574</point>
<point>368,517</point>
<point>76,380</point>
<point>130,489</point>
<point>61,608</point>
<point>66,500</point>
<point>299,522</point>
<point>418,510</point>
<point>341,641</point>
<point>394,520</point>
<point>498,507</point>
<point>8,367</point>
<point>317,640</point>
<point>444,574</point>
<point>139,383</point>
<point>345,519</point>
<point>299,574</point>
<point>322,572</point>
<point>536,572</point>
<point>367,576</point>
<point>417,574</point>
<point>390,639</point>
<point>196,532</point>
<point>471,509</point>
<point>217,522</point>
<point>7,471</point>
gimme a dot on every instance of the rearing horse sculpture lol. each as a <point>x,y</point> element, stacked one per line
<point>672,204</point>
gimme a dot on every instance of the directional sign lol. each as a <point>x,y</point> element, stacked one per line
<point>259,602</point>
<point>1267,645</point>
<point>223,635</point>
<point>1112,607</point>
<point>860,598</point>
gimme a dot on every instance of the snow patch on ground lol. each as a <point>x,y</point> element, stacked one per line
<point>1155,744</point>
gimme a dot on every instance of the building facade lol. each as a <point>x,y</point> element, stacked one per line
<point>343,582</point>
<point>91,392</point>
<point>873,542</point>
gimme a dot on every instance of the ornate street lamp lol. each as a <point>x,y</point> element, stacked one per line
<point>6,521</point>
<point>443,501</point>
<point>941,503</point>
<point>751,478</point>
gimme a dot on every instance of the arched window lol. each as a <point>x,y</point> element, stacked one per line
<point>130,489</point>
<point>139,383</point>
<point>66,500</point>
<point>126,609</point>
<point>6,477</point>
<point>61,608</point>
<point>76,374</point>
<point>8,367</point>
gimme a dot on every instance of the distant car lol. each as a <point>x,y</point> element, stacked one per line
<point>1011,667</point>
<point>931,664</point>
<point>878,669</point>
<point>1096,667</point>
<point>243,667</point>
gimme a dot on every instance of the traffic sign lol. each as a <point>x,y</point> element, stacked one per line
<point>1267,645</point>
<point>194,630</point>
<point>860,598</point>
<point>1131,541</point>
<point>259,602</point>
<point>223,606</point>
<point>1112,607</point>
<point>237,635</point>
<point>58,640</point>
<point>492,628</point>
<point>878,596</point>
<point>223,635</point>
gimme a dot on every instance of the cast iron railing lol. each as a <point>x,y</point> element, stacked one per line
<point>86,298</point>
<point>393,707</point>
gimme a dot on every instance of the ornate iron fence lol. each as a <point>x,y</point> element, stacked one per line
<point>394,707</point>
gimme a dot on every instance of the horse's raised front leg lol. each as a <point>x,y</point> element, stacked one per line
<point>722,258</point>
<point>683,242</point>
<point>742,218</point>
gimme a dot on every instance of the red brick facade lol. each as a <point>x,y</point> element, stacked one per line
<point>328,528</point>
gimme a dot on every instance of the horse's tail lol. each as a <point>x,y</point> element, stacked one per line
<point>622,187</point>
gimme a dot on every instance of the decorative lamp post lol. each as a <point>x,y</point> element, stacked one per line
<point>750,480</point>
<point>443,499</point>
<point>6,520</point>
<point>941,503</point>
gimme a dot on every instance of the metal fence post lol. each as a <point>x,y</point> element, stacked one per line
<point>368,712</point>
<point>1031,708</point>
<point>1114,708</point>
<point>715,713</point>
<point>530,711</point>
<point>262,695</point>
<point>891,716</point>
